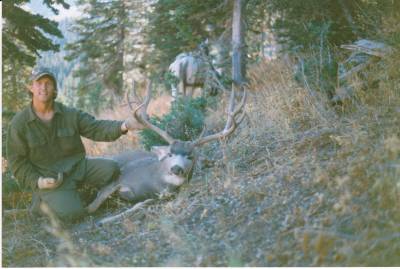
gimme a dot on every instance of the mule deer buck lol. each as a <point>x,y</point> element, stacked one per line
<point>147,174</point>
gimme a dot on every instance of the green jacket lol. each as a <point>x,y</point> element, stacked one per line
<point>35,149</point>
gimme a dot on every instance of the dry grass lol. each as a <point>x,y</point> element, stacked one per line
<point>349,162</point>
<point>282,103</point>
<point>299,184</point>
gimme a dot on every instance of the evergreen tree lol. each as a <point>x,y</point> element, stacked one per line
<point>177,26</point>
<point>299,24</point>
<point>312,30</point>
<point>181,25</point>
<point>24,33</point>
<point>105,49</point>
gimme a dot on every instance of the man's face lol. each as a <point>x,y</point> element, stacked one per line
<point>43,89</point>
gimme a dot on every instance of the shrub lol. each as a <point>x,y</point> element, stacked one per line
<point>318,64</point>
<point>184,122</point>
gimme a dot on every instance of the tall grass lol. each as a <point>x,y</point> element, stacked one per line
<point>350,156</point>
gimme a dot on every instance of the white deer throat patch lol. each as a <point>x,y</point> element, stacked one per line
<point>173,179</point>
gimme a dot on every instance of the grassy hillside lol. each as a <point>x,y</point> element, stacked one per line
<point>300,183</point>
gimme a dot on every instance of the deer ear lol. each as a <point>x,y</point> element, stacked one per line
<point>160,151</point>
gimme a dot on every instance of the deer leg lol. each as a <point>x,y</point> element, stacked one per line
<point>174,91</point>
<point>190,91</point>
<point>102,195</point>
<point>182,87</point>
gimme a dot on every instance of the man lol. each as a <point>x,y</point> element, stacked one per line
<point>45,150</point>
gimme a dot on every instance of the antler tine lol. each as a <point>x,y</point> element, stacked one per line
<point>135,93</point>
<point>127,96</point>
<point>231,123</point>
<point>142,117</point>
<point>240,118</point>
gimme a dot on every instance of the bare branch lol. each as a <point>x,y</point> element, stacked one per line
<point>124,213</point>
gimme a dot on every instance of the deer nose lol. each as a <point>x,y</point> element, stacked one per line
<point>177,170</point>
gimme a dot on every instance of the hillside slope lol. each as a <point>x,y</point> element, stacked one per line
<point>298,184</point>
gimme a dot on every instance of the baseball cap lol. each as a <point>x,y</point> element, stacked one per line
<point>39,72</point>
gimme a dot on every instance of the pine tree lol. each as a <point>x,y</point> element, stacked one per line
<point>104,44</point>
<point>313,30</point>
<point>181,25</point>
<point>177,26</point>
<point>300,24</point>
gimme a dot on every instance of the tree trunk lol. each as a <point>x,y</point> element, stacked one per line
<point>237,43</point>
<point>237,53</point>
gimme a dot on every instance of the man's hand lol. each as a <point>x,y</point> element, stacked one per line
<point>131,124</point>
<point>48,183</point>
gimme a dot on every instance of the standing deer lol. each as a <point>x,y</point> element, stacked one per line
<point>147,174</point>
<point>192,69</point>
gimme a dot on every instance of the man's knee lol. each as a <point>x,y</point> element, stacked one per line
<point>116,170</point>
<point>66,205</point>
<point>102,171</point>
<point>111,171</point>
<point>69,214</point>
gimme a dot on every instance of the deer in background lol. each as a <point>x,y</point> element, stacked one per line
<point>192,70</point>
<point>147,174</point>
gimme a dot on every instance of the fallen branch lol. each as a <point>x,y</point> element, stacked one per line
<point>369,47</point>
<point>357,69</point>
<point>120,215</point>
<point>13,212</point>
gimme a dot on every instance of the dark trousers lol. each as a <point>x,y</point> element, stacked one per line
<point>65,201</point>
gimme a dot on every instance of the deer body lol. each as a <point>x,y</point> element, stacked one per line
<point>146,174</point>
<point>193,69</point>
<point>190,70</point>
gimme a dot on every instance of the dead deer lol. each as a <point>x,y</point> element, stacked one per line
<point>147,174</point>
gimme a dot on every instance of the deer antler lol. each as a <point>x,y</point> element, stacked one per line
<point>142,117</point>
<point>233,119</point>
<point>231,123</point>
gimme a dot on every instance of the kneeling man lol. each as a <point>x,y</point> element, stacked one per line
<point>45,150</point>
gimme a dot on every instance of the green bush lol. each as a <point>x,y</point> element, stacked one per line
<point>184,122</point>
<point>318,72</point>
<point>318,63</point>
